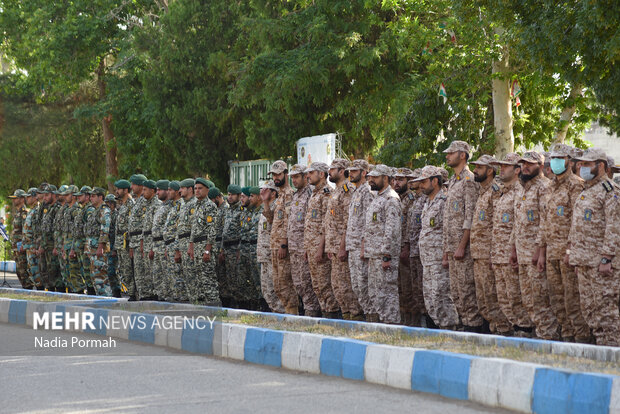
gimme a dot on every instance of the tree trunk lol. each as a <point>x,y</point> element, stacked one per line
<point>111,166</point>
<point>502,107</point>
<point>567,113</point>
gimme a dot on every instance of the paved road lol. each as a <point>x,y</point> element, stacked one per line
<point>143,378</point>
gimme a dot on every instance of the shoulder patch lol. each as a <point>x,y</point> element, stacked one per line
<point>410,196</point>
<point>495,187</point>
<point>607,186</point>
<point>345,188</point>
<point>326,190</point>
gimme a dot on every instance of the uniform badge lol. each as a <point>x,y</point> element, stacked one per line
<point>607,186</point>
<point>192,211</point>
<point>530,215</point>
<point>481,215</point>
<point>326,190</point>
<point>523,198</point>
<point>374,216</point>
<point>418,218</point>
<point>458,178</point>
<point>314,213</point>
<point>455,206</point>
<point>582,197</point>
<point>410,196</point>
<point>300,216</point>
<point>505,218</point>
<point>432,222</point>
<point>44,210</point>
<point>495,187</point>
<point>24,216</point>
<point>354,210</point>
<point>332,212</point>
<point>241,223</point>
<point>265,226</point>
<point>209,219</point>
<point>280,214</point>
<point>296,203</point>
<point>587,214</point>
<point>248,219</point>
<point>345,188</point>
<point>560,211</point>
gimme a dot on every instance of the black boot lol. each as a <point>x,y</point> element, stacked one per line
<point>90,291</point>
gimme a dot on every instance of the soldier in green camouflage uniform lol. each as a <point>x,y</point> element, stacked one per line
<point>19,253</point>
<point>203,283</point>
<point>73,274</point>
<point>29,238</point>
<point>50,270</point>
<point>157,252</point>
<point>97,231</point>
<point>145,284</point>
<point>249,273</point>
<point>59,237</point>
<point>77,249</point>
<point>135,229</point>
<point>121,233</point>
<point>216,196</point>
<point>115,283</point>
<point>229,247</point>
<point>182,239</point>
<point>172,272</point>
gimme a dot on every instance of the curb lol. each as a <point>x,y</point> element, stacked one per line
<point>494,382</point>
<point>7,266</point>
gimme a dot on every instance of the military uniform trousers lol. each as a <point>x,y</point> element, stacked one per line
<point>33,268</point>
<point>21,267</point>
<point>266,285</point>
<point>320,272</point>
<point>99,271</point>
<point>383,290</point>
<point>599,303</point>
<point>405,292</point>
<point>125,271</point>
<point>187,269</point>
<point>437,298</point>
<point>358,269</point>
<point>231,285</point>
<point>74,282</point>
<point>249,273</point>
<point>51,270</point>
<point>283,282</point>
<point>300,272</point>
<point>343,290</point>
<point>175,284</point>
<point>486,295</point>
<point>144,279</point>
<point>535,296</point>
<point>138,271</point>
<point>417,290</point>
<point>509,295</point>
<point>159,272</point>
<point>202,285</point>
<point>565,301</point>
<point>463,289</point>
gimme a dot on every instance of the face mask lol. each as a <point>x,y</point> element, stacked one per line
<point>586,173</point>
<point>558,165</point>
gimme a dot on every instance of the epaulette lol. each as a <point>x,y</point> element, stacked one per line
<point>326,190</point>
<point>607,186</point>
<point>495,187</point>
<point>345,188</point>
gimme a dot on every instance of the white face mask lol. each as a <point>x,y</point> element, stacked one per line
<point>586,173</point>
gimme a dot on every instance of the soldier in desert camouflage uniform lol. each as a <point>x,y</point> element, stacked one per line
<point>414,225</point>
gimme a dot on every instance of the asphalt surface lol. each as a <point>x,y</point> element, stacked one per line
<point>141,378</point>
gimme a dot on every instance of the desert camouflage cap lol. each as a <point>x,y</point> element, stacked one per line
<point>317,166</point>
<point>297,169</point>
<point>428,172</point>
<point>615,168</point>
<point>560,150</point>
<point>458,146</point>
<point>532,157</point>
<point>277,167</point>
<point>270,185</point>
<point>403,172</point>
<point>339,163</point>
<point>576,153</point>
<point>593,154</point>
<point>379,170</point>
<point>610,161</point>
<point>415,174</point>
<point>512,158</point>
<point>485,160</point>
<point>359,165</point>
<point>444,173</point>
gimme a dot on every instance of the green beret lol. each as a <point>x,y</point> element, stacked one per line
<point>245,190</point>
<point>214,192</point>
<point>162,184</point>
<point>188,182</point>
<point>110,198</point>
<point>255,190</point>
<point>122,184</point>
<point>174,185</point>
<point>98,191</point>
<point>210,184</point>
<point>150,184</point>
<point>203,181</point>
<point>233,189</point>
<point>138,179</point>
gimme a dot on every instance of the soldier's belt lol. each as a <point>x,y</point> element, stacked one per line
<point>169,242</point>
<point>160,238</point>
<point>135,233</point>
<point>200,239</point>
<point>146,233</point>
<point>231,243</point>
<point>184,235</point>
<point>217,239</point>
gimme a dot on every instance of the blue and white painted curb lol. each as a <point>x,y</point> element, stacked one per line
<point>491,381</point>
<point>7,266</point>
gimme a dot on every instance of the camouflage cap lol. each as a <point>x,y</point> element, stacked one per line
<point>458,146</point>
<point>444,174</point>
<point>150,184</point>
<point>532,157</point>
<point>512,158</point>
<point>415,174</point>
<point>98,191</point>
<point>339,163</point>
<point>317,166</point>
<point>359,165</point>
<point>73,189</point>
<point>560,150</point>
<point>64,190</point>
<point>278,167</point>
<point>18,193</point>
<point>484,160</point>
<point>576,153</point>
<point>270,185</point>
<point>110,199</point>
<point>32,192</point>
<point>188,182</point>
<point>84,190</point>
<point>162,184</point>
<point>593,154</point>
<point>213,193</point>
<point>123,184</point>
<point>51,188</point>
<point>379,170</point>
<point>174,185</point>
<point>233,189</point>
<point>610,161</point>
<point>428,172</point>
<point>403,172</point>
<point>297,169</point>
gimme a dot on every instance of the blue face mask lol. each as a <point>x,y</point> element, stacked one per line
<point>558,165</point>
<point>586,173</point>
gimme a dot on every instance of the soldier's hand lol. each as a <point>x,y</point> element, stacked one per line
<point>40,251</point>
<point>221,258</point>
<point>605,269</point>
<point>319,256</point>
<point>514,262</point>
<point>444,261</point>
<point>113,253</point>
<point>459,253</point>
<point>386,265</point>
<point>329,256</point>
<point>72,254</point>
<point>177,256</point>
<point>100,251</point>
<point>131,253</point>
<point>567,259</point>
<point>190,251</point>
<point>343,255</point>
<point>404,255</point>
<point>306,257</point>
<point>541,264</point>
<point>151,255</point>
<point>282,253</point>
<point>206,257</point>
<point>535,257</point>
<point>55,252</point>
